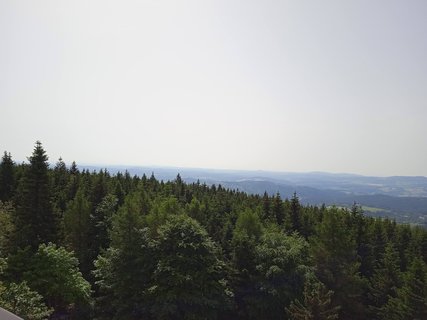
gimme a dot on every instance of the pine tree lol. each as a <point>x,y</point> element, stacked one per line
<point>35,219</point>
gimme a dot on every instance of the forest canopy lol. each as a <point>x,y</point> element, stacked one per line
<point>90,245</point>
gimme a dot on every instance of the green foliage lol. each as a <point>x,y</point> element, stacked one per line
<point>189,280</point>
<point>55,275</point>
<point>386,280</point>
<point>411,299</point>
<point>282,265</point>
<point>316,303</point>
<point>101,223</point>
<point>7,228</point>
<point>294,223</point>
<point>161,209</point>
<point>248,222</point>
<point>334,252</point>
<point>196,210</point>
<point>123,277</point>
<point>7,177</point>
<point>278,210</point>
<point>124,270</point>
<point>60,185</point>
<point>22,301</point>
<point>76,225</point>
<point>190,251</point>
<point>35,219</point>
<point>127,223</point>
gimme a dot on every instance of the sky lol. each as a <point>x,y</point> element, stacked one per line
<point>298,86</point>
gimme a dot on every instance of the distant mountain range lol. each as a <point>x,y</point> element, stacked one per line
<point>400,197</point>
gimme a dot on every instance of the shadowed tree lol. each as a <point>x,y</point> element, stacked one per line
<point>316,304</point>
<point>7,177</point>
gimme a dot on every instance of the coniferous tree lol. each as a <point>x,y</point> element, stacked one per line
<point>411,300</point>
<point>35,218</point>
<point>124,270</point>
<point>76,227</point>
<point>316,304</point>
<point>100,226</point>
<point>7,177</point>
<point>278,210</point>
<point>386,281</point>
<point>295,214</point>
<point>266,206</point>
<point>60,184</point>
<point>334,252</point>
<point>7,229</point>
<point>73,169</point>
<point>247,232</point>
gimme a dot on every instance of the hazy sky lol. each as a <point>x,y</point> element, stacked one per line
<point>337,86</point>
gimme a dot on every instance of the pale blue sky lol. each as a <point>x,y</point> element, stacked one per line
<point>338,86</point>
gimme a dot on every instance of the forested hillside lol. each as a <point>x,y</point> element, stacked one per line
<point>91,245</point>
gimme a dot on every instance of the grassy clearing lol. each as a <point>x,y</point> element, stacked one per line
<point>373,209</point>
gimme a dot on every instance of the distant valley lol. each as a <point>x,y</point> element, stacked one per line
<point>399,197</point>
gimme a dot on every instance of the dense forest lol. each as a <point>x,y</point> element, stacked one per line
<point>90,245</point>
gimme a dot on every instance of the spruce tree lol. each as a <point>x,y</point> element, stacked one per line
<point>76,225</point>
<point>386,280</point>
<point>35,219</point>
<point>7,177</point>
<point>278,209</point>
<point>295,214</point>
<point>334,253</point>
<point>60,182</point>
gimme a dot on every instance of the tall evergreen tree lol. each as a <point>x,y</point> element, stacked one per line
<point>278,210</point>
<point>7,177</point>
<point>385,282</point>
<point>35,219</point>
<point>60,184</point>
<point>295,214</point>
<point>76,225</point>
<point>334,252</point>
<point>266,206</point>
<point>124,270</point>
